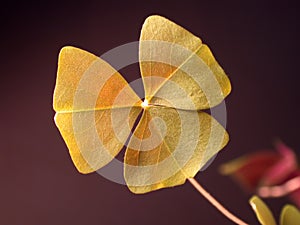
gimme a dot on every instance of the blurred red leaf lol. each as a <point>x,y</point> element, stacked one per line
<point>267,173</point>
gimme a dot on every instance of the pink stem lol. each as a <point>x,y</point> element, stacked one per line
<point>215,203</point>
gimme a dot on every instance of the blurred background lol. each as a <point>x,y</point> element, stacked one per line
<point>257,44</point>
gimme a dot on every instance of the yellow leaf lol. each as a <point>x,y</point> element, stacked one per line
<point>290,215</point>
<point>88,91</point>
<point>86,82</point>
<point>263,213</point>
<point>170,56</point>
<point>169,146</point>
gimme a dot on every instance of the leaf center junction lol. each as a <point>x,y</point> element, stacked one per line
<point>145,104</point>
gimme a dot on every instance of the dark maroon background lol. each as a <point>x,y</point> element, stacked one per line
<point>256,43</point>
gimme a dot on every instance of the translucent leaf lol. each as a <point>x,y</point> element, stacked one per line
<point>170,146</point>
<point>170,53</point>
<point>95,106</point>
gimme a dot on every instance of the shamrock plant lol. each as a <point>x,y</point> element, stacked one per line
<point>167,134</point>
